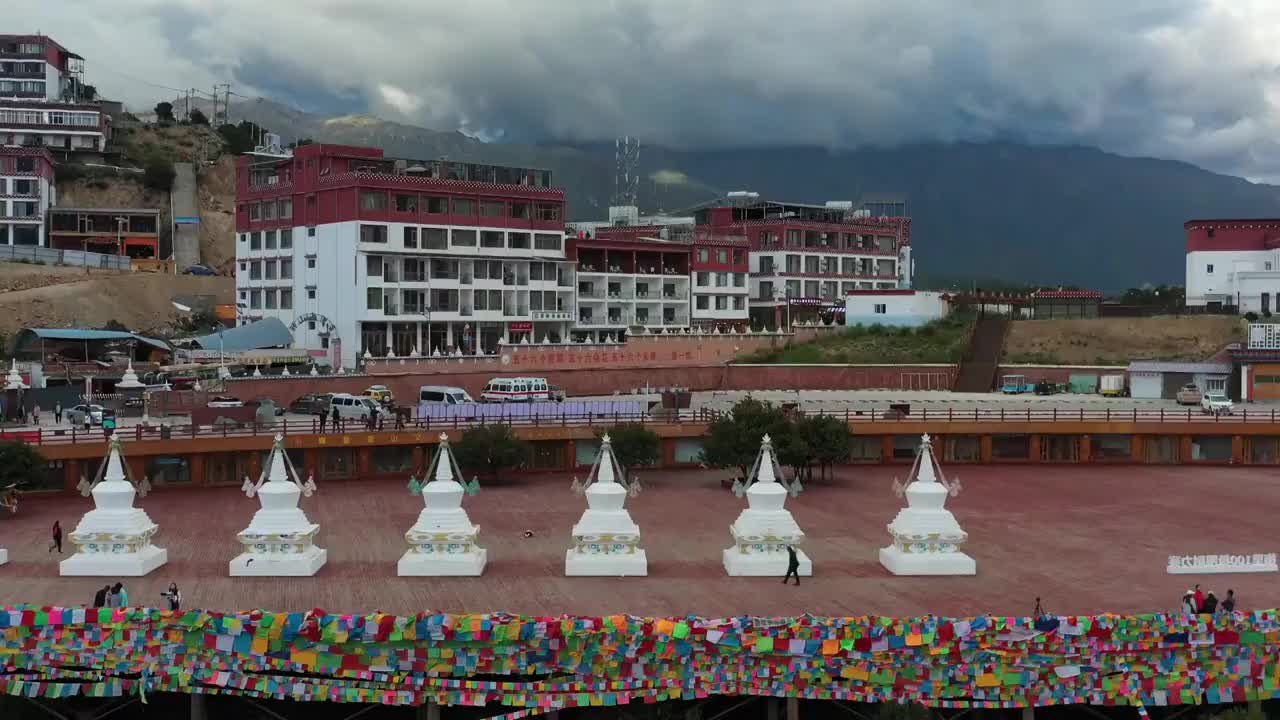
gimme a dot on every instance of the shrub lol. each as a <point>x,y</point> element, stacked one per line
<point>158,173</point>
<point>1251,316</point>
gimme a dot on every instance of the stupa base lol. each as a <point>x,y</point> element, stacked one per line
<point>900,563</point>
<point>578,564</point>
<point>4,556</point>
<point>114,564</point>
<point>470,564</point>
<point>738,564</point>
<point>303,564</point>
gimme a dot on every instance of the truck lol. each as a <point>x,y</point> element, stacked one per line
<point>1111,386</point>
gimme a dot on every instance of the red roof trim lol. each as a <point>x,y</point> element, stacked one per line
<point>1063,294</point>
<point>880,292</point>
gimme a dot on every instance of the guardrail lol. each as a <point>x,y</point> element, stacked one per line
<point>886,417</point>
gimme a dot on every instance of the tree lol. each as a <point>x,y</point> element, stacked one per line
<point>158,173</point>
<point>733,440</point>
<point>634,445</point>
<point>115,325</point>
<point>491,448</point>
<point>197,118</point>
<point>164,113</point>
<point>241,138</point>
<point>828,438</point>
<point>20,463</point>
<point>88,93</point>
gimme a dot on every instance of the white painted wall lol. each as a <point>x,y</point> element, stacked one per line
<point>1240,276</point>
<point>899,310</point>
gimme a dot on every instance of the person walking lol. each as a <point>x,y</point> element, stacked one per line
<point>174,596</point>
<point>1210,605</point>
<point>793,566</point>
<point>57,537</point>
<point>1197,597</point>
<point>100,597</point>
<point>324,417</point>
<point>35,413</point>
<point>119,596</point>
<point>1228,604</point>
<point>57,413</point>
<point>337,419</point>
<point>1039,611</point>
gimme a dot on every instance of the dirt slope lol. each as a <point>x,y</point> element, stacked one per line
<point>1107,341</point>
<point>35,296</point>
<point>217,214</point>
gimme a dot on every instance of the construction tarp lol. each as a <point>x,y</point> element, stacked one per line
<point>526,412</point>
<point>1082,384</point>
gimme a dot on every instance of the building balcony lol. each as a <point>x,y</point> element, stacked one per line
<point>415,277</point>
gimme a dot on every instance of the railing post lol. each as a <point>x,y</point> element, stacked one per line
<point>138,432</point>
<point>1055,414</point>
<point>1162,414</point>
<point>1108,414</point>
<point>950,413</point>
<point>925,414</point>
<point>1135,413</point>
<point>1002,414</point>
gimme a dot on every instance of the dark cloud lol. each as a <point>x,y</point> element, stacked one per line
<point>1187,79</point>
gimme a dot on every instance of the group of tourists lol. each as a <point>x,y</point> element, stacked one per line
<point>116,596</point>
<point>1197,602</point>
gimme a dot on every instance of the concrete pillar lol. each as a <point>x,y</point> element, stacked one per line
<point>1028,713</point>
<point>198,711</point>
<point>388,336</point>
<point>448,336</point>
<point>793,708</point>
<point>772,707</point>
<point>418,344</point>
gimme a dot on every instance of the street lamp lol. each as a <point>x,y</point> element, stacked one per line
<point>223,373</point>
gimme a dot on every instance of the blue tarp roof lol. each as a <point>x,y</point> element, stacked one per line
<point>91,336</point>
<point>267,333</point>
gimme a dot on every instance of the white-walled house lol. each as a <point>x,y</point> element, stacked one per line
<point>897,308</point>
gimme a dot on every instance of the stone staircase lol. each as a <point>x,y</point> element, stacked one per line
<point>981,362</point>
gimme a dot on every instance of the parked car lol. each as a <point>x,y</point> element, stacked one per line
<point>222,401</point>
<point>443,395</point>
<point>1044,387</point>
<point>1189,395</point>
<point>1216,403</point>
<point>76,415</point>
<point>354,407</point>
<point>310,404</point>
<point>380,393</point>
<point>200,270</point>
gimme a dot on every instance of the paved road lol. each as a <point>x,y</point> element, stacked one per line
<point>186,238</point>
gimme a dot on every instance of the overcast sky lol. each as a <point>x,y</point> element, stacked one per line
<point>1195,80</point>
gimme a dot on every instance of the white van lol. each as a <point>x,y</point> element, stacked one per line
<point>518,389</point>
<point>443,395</point>
<point>355,407</point>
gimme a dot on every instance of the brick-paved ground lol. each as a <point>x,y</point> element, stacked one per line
<point>1086,539</point>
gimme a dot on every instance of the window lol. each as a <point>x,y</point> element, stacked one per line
<point>519,241</point>
<point>543,241</point>
<point>464,206</point>
<point>311,263</point>
<point>722,302</point>
<point>243,266</point>
<point>311,324</point>
<point>24,187</point>
<point>286,209</point>
<point>269,210</point>
<point>722,256</point>
<point>244,237</point>
<point>520,210</point>
<point>491,239</point>
<point>373,299</point>
<point>255,241</point>
<point>407,203</point>
<point>255,211</point>
<point>411,238</point>
<point>702,278</point>
<point>704,255</point>
<point>434,239</point>
<point>739,279</point>
<point>373,200</point>
<point>286,239</point>
<point>271,299</point>
<point>1210,269</point>
<point>286,299</point>
<point>26,165</point>
<point>464,238</point>
<point>244,295</point>
<point>493,209</point>
<point>1267,266</point>
<point>373,233</point>
<point>373,266</point>
<point>286,268</point>
<point>738,302</point>
<point>700,302</point>
<point>311,232</point>
<point>311,295</point>
<point>881,309</point>
<point>437,205</point>
<point>255,299</point>
<point>255,270</point>
<point>738,257</point>
<point>270,273</point>
<point>547,212</point>
<point>269,240</point>
<point>722,279</point>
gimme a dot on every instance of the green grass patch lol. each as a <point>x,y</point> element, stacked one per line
<point>940,341</point>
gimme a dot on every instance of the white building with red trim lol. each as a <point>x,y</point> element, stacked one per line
<point>42,99</point>
<point>27,191</point>
<point>1233,264</point>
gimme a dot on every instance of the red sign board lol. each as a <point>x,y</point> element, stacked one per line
<point>522,326</point>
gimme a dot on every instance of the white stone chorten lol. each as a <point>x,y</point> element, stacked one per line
<point>129,381</point>
<point>926,536</point>
<point>606,541</point>
<point>763,531</point>
<point>443,540</point>
<point>280,540</point>
<point>114,538</point>
<point>14,379</point>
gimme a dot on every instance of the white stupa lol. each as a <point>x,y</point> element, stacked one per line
<point>926,536</point>
<point>129,381</point>
<point>14,379</point>
<point>443,541</point>
<point>114,538</point>
<point>606,541</point>
<point>280,540</point>
<point>763,531</point>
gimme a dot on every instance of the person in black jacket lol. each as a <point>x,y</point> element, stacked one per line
<point>1228,603</point>
<point>100,597</point>
<point>793,566</point>
<point>1210,605</point>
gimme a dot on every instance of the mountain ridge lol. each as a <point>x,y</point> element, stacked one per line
<point>1051,214</point>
